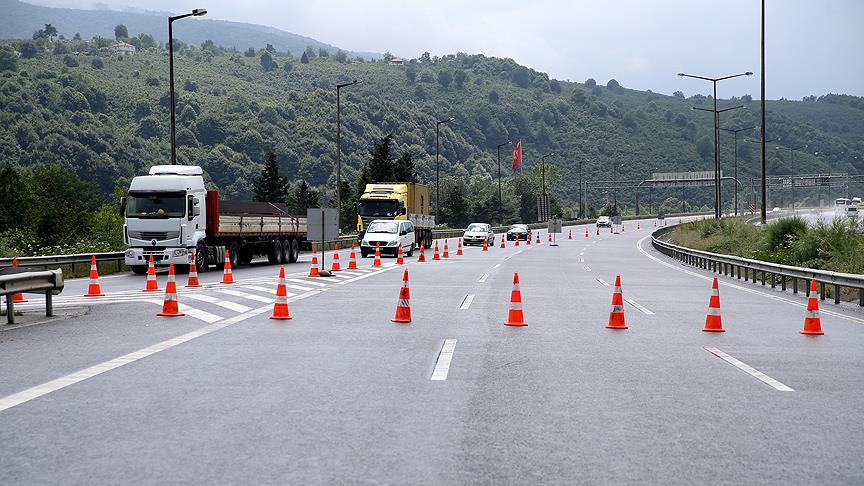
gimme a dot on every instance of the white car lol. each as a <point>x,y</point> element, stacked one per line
<point>477,233</point>
<point>388,234</point>
<point>604,222</point>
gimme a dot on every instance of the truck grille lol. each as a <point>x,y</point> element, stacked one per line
<point>154,235</point>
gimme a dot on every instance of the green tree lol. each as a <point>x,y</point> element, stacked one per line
<point>304,59</point>
<point>303,198</point>
<point>612,85</point>
<point>493,96</point>
<point>381,160</point>
<point>270,186</point>
<point>323,53</point>
<point>50,31</point>
<point>121,32</point>
<point>457,207</point>
<point>267,62</point>
<point>8,60</point>
<point>97,63</point>
<point>411,74</point>
<point>403,168</point>
<point>70,61</point>
<point>590,83</point>
<point>310,52</point>
<point>14,196</point>
<point>704,147</point>
<point>52,188</point>
<point>77,36</point>
<point>249,52</point>
<point>444,78</point>
<point>341,56</point>
<point>28,50</point>
<point>459,78</point>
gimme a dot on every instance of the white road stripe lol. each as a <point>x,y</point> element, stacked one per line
<point>483,278</point>
<point>496,266</point>
<point>587,269</point>
<point>245,295</point>
<point>442,366</point>
<point>466,302</point>
<point>748,369</point>
<point>581,260</point>
<point>639,306</point>
<point>306,282</point>
<point>221,303</point>
<point>298,287</point>
<point>261,289</point>
<point>197,313</point>
<point>605,283</point>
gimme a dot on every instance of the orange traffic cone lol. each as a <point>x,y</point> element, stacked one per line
<point>422,257</point>
<point>152,285</point>
<point>403,308</point>
<point>193,274</point>
<point>812,323</point>
<point>313,269</point>
<point>170,308</point>
<point>352,259</point>
<point>538,238</point>
<point>93,290</point>
<point>377,261</point>
<point>570,235</point>
<point>514,317</point>
<point>227,276</point>
<point>446,253</point>
<point>19,297</point>
<point>459,246</point>
<point>528,239</point>
<point>335,267</point>
<point>280,308</point>
<point>638,226</point>
<point>436,256</point>
<point>586,232</point>
<point>517,241</point>
<point>503,239</point>
<point>713,322</point>
<point>598,231</point>
<point>399,259</point>
<point>610,229</point>
<point>485,246</point>
<point>616,316</point>
<point>550,238</point>
<point>655,223</point>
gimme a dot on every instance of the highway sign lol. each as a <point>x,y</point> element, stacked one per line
<point>554,226</point>
<point>701,178</point>
<point>322,224</point>
<point>543,208</point>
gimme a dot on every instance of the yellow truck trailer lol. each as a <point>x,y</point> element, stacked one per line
<point>400,201</point>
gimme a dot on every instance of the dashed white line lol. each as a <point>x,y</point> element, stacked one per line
<point>305,282</point>
<point>299,287</point>
<point>442,366</point>
<point>483,278</point>
<point>581,260</point>
<point>221,303</point>
<point>605,283</point>
<point>261,289</point>
<point>244,295</point>
<point>466,302</point>
<point>639,306</point>
<point>587,268</point>
<point>748,369</point>
<point>496,266</point>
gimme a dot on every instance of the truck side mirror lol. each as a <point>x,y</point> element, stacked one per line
<point>123,206</point>
<point>404,210</point>
<point>196,211</point>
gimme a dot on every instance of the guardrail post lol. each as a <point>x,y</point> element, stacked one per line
<point>49,304</point>
<point>821,290</point>
<point>755,278</point>
<point>763,278</point>
<point>773,281</point>
<point>861,297</point>
<point>795,285</point>
<point>10,310</point>
<point>836,294</point>
<point>783,282</point>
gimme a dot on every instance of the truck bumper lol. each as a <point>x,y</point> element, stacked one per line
<point>161,258</point>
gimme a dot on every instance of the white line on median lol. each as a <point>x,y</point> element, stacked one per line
<point>587,268</point>
<point>466,302</point>
<point>442,366</point>
<point>639,306</point>
<point>605,283</point>
<point>496,266</point>
<point>483,278</point>
<point>748,369</point>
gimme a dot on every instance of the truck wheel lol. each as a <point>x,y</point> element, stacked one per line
<point>201,257</point>
<point>234,254</point>
<point>410,250</point>
<point>274,254</point>
<point>428,240</point>
<point>284,252</point>
<point>364,253</point>
<point>139,269</point>
<point>246,255</point>
<point>294,251</point>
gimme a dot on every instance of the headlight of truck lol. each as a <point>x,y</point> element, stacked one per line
<point>393,243</point>
<point>180,252</point>
<point>364,242</point>
<point>130,253</point>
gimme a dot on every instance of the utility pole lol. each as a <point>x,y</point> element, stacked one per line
<point>735,132</point>
<point>194,13</point>
<point>339,150</point>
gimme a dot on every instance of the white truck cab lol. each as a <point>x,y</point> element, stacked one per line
<point>165,216</point>
<point>388,234</point>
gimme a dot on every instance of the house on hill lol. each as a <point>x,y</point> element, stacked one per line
<point>396,61</point>
<point>123,48</point>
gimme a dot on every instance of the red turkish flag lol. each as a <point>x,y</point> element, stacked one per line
<point>517,155</point>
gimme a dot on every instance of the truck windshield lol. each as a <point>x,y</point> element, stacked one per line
<point>382,227</point>
<point>378,208</point>
<point>156,205</point>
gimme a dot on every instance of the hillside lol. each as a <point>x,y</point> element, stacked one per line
<point>20,20</point>
<point>105,117</point>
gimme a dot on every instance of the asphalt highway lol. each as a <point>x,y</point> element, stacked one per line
<point>113,394</point>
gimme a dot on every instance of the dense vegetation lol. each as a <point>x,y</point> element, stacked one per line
<point>103,117</point>
<point>836,245</point>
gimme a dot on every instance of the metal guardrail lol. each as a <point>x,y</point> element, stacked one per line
<point>49,282</point>
<point>757,270</point>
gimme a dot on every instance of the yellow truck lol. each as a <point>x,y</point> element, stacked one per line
<point>399,201</point>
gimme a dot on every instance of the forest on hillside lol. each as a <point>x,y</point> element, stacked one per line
<point>101,116</point>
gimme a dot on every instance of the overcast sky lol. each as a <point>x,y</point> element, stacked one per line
<point>813,47</point>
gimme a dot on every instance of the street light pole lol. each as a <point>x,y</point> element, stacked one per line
<point>339,149</point>
<point>763,211</point>
<point>543,178</point>
<point>196,13</point>
<point>792,169</point>
<point>580,190</point>
<point>437,172</point>
<point>717,192</point>
<point>500,211</point>
<point>735,132</point>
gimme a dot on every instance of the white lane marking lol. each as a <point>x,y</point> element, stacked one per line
<point>496,266</point>
<point>190,311</point>
<point>587,268</point>
<point>341,275</point>
<point>244,295</point>
<point>442,366</point>
<point>367,275</point>
<point>581,260</point>
<point>298,287</point>
<point>639,306</point>
<point>466,302</point>
<point>743,289</point>
<point>221,303</point>
<point>483,278</point>
<point>581,254</point>
<point>748,369</point>
<point>605,283</point>
<point>261,289</point>
<point>306,282</point>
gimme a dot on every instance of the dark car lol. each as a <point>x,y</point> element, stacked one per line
<point>518,232</point>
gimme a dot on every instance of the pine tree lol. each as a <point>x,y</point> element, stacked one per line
<point>303,198</point>
<point>381,160</point>
<point>270,186</point>
<point>457,207</point>
<point>403,168</point>
<point>304,59</point>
